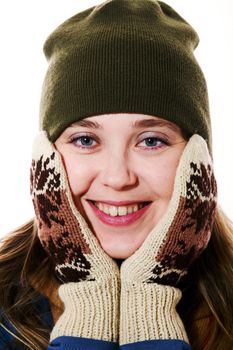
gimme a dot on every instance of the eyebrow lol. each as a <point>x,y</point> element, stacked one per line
<point>138,124</point>
<point>154,122</point>
<point>87,124</point>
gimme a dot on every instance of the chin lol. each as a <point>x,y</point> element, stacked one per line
<point>119,252</point>
<point>119,255</point>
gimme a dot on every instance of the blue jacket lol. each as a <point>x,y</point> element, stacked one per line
<point>7,340</point>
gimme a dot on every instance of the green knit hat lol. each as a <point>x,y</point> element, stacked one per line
<point>124,56</point>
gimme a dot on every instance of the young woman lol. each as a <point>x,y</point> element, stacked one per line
<point>128,248</point>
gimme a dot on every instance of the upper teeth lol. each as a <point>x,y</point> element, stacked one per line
<point>120,211</point>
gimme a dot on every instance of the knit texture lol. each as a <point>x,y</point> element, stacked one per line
<point>74,250</point>
<point>150,313</point>
<point>199,328</point>
<point>124,56</point>
<point>148,277</point>
<point>91,310</point>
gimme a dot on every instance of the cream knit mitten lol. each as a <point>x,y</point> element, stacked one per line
<point>90,278</point>
<point>149,277</point>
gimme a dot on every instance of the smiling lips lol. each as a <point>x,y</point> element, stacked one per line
<point>119,215</point>
<point>118,210</point>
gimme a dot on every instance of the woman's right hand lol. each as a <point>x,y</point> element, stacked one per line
<point>89,277</point>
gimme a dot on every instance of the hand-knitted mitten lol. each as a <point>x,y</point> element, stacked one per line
<point>149,277</point>
<point>90,278</point>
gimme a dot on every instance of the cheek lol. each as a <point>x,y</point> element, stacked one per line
<point>170,171</point>
<point>169,179</point>
<point>161,178</point>
<point>79,174</point>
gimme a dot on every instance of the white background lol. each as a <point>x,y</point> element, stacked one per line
<point>24,26</point>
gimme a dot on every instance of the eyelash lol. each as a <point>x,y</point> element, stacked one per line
<point>159,139</point>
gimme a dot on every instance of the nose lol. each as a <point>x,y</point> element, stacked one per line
<point>117,172</point>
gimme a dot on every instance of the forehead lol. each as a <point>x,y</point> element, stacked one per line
<point>135,121</point>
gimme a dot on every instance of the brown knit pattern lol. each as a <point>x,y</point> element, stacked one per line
<point>191,227</point>
<point>58,227</point>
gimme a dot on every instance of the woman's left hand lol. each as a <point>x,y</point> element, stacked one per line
<point>149,277</point>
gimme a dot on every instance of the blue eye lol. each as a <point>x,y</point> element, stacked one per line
<point>154,142</point>
<point>86,141</point>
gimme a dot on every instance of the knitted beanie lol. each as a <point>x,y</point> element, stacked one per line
<point>124,56</point>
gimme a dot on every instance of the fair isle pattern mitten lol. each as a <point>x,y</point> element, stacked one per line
<point>149,277</point>
<point>90,278</point>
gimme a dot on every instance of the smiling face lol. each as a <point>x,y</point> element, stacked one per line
<point>129,158</point>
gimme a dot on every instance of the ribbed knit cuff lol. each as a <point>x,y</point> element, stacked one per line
<point>148,312</point>
<point>91,310</point>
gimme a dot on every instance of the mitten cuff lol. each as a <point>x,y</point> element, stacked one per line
<point>91,310</point>
<point>148,312</point>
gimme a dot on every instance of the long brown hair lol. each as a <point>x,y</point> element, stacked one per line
<point>210,281</point>
<point>23,260</point>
